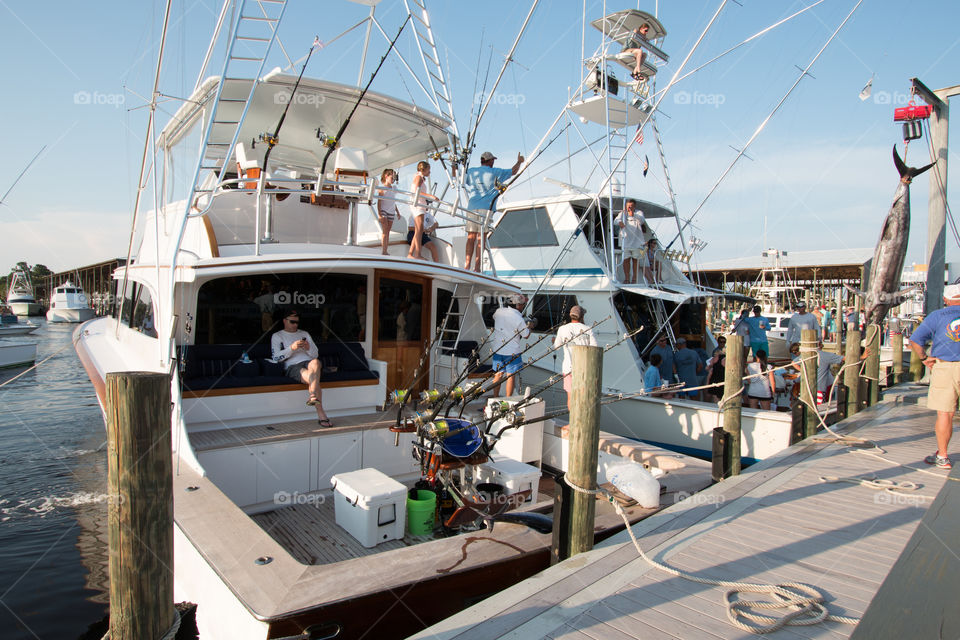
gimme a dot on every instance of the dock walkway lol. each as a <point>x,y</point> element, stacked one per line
<point>778,522</point>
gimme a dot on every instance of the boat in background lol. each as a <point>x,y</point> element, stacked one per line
<point>69,303</point>
<point>20,296</point>
<point>17,354</point>
<point>10,324</point>
<point>777,296</point>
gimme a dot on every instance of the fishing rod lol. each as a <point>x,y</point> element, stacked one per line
<point>272,140</point>
<point>332,143</point>
<point>402,396</point>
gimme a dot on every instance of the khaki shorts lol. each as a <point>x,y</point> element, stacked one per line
<point>944,386</point>
<point>473,223</point>
<point>636,254</point>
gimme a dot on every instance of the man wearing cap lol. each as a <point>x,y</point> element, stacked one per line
<point>666,366</point>
<point>942,327</point>
<point>799,321</point>
<point>573,333</point>
<point>509,328</point>
<point>480,184</point>
<point>295,350</point>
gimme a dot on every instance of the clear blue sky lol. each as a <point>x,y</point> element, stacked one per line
<point>820,174</point>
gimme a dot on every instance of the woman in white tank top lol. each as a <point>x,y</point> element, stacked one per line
<point>421,194</point>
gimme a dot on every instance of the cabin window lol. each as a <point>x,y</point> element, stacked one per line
<point>551,310</point>
<point>401,305</point>
<point>247,309</point>
<point>524,228</point>
<point>143,313</point>
<point>126,305</point>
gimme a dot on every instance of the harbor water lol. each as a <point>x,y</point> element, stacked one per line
<point>53,509</point>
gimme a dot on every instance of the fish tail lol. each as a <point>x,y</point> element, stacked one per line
<point>904,170</point>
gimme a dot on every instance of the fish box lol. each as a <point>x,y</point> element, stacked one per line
<point>370,506</point>
<point>512,475</point>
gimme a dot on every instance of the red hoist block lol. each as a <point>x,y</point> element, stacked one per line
<point>912,112</point>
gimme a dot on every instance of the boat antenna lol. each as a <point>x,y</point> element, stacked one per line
<point>22,174</point>
<point>272,140</point>
<point>335,141</point>
<point>741,152</point>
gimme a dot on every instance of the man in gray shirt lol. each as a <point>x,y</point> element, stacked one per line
<point>798,322</point>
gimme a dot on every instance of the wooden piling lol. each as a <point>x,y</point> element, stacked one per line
<point>140,508</point>
<point>733,395</point>
<point>808,380</point>
<point>872,368</point>
<point>851,375</point>
<point>916,367</point>
<point>584,443</point>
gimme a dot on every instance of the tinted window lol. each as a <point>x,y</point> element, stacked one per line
<point>401,306</point>
<point>143,313</point>
<point>524,228</point>
<point>551,310</point>
<point>247,309</point>
<point>444,298</point>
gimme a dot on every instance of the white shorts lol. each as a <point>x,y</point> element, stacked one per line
<point>635,254</point>
<point>473,222</point>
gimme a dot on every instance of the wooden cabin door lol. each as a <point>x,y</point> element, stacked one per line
<point>401,328</point>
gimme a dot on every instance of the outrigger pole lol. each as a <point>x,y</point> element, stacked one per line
<point>763,124</point>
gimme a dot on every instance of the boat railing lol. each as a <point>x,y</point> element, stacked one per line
<point>347,196</point>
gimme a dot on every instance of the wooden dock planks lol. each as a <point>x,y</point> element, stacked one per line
<point>778,522</point>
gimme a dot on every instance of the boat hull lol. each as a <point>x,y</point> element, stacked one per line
<point>70,315</point>
<point>17,329</point>
<point>26,308</point>
<point>16,355</point>
<point>682,425</point>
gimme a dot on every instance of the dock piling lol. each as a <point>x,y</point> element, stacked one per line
<point>808,380</point>
<point>140,509</point>
<point>584,443</point>
<point>733,402</point>
<point>851,375</point>
<point>872,368</point>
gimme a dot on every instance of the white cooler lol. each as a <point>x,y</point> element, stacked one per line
<point>514,476</point>
<point>370,505</point>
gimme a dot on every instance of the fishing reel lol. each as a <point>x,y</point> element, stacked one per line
<point>431,397</point>
<point>268,138</point>
<point>330,142</point>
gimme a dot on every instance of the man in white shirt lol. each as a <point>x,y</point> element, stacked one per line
<point>633,233</point>
<point>509,328</point>
<point>798,322</point>
<point>573,333</point>
<point>296,351</point>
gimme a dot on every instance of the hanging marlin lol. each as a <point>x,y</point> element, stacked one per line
<point>888,257</point>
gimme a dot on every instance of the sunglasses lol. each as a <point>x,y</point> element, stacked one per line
<point>292,321</point>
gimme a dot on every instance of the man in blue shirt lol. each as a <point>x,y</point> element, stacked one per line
<point>758,331</point>
<point>651,377</point>
<point>480,184</point>
<point>666,366</point>
<point>689,367</point>
<point>942,327</point>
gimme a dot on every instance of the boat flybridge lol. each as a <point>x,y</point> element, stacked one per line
<point>20,296</point>
<point>777,296</point>
<point>566,250</point>
<point>291,526</point>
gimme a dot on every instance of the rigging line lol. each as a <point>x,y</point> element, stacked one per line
<point>766,120</point>
<point>346,121</point>
<point>753,37</point>
<point>476,78</point>
<point>940,185</point>
<point>143,161</point>
<point>469,143</point>
<point>22,174</point>
<point>503,69</point>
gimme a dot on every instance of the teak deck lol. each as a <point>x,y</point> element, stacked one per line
<point>777,522</point>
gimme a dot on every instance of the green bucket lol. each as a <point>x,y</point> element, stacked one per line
<point>420,512</point>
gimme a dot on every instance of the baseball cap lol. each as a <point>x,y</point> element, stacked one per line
<point>291,312</point>
<point>801,305</point>
<point>951,292</point>
<point>681,341</point>
<point>486,155</point>
<point>576,311</point>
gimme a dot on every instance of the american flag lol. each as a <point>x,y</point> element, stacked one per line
<point>639,137</point>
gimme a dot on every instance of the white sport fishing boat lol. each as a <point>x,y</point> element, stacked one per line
<point>777,296</point>
<point>69,303</point>
<point>11,325</point>
<point>284,528</point>
<point>565,249</point>
<point>17,354</point>
<point>20,296</point>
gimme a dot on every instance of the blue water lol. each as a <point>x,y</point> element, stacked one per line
<point>53,510</point>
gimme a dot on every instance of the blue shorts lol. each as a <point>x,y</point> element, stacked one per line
<point>756,346</point>
<point>510,364</point>
<point>424,238</point>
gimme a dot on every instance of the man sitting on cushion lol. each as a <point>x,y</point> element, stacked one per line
<point>296,351</point>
